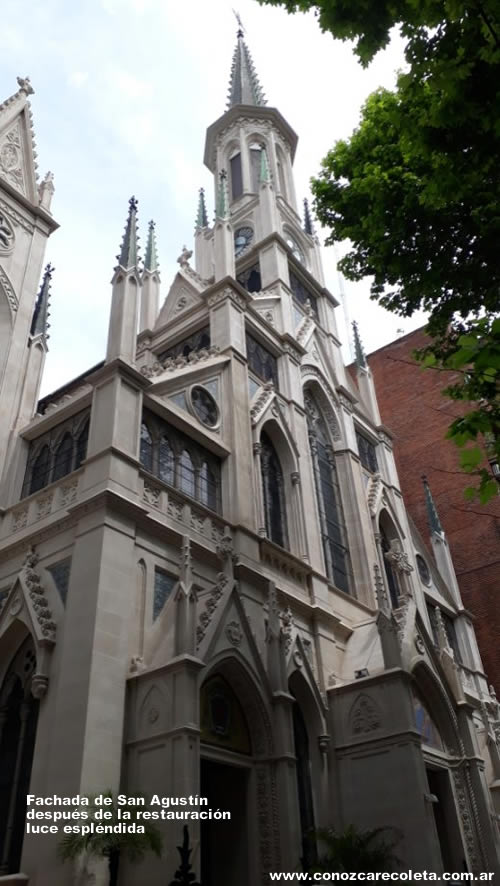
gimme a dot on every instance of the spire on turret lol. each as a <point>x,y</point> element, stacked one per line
<point>308,224</point>
<point>129,251</point>
<point>432,514</point>
<point>202,218</point>
<point>151,260</point>
<point>221,208</point>
<point>244,86</point>
<point>39,323</point>
<point>358,347</point>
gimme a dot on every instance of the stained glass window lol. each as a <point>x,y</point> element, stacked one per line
<point>204,406</point>
<point>162,590</point>
<point>330,509</point>
<point>63,457</point>
<point>426,724</point>
<point>197,341</point>
<point>81,445</point>
<point>261,361</point>
<point>179,461</point>
<point>41,470</point>
<point>273,492</point>
<point>60,573</point>
<point>302,293</point>
<point>367,452</point>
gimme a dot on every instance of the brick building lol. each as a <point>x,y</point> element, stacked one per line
<point>413,407</point>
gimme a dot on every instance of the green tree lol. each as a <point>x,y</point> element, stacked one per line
<point>416,190</point>
<point>353,850</point>
<point>112,846</point>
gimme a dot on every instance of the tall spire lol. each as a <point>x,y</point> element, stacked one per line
<point>308,225</point>
<point>358,347</point>
<point>244,86</point>
<point>202,218</point>
<point>151,260</point>
<point>39,323</point>
<point>432,514</point>
<point>128,257</point>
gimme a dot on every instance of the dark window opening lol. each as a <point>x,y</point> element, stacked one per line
<point>197,341</point>
<point>180,462</point>
<point>392,579</point>
<point>273,492</point>
<point>302,294</point>
<point>56,454</point>
<point>250,279</point>
<point>367,453</point>
<point>261,361</point>
<point>236,176</point>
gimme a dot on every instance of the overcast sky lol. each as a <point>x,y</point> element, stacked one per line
<point>124,91</point>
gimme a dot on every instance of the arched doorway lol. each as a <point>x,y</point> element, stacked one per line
<point>18,722</point>
<point>235,776</point>
<point>307,726</point>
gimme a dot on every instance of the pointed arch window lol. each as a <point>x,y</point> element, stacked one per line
<point>81,445</point>
<point>208,487</point>
<point>255,162</point>
<point>236,176</point>
<point>41,470</point>
<point>179,461</point>
<point>63,457</point>
<point>273,489</point>
<point>331,514</point>
<point>146,449</point>
<point>166,463</point>
<point>187,474</point>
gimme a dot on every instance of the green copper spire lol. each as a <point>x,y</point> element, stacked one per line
<point>308,225</point>
<point>202,218</point>
<point>432,514</point>
<point>129,252</point>
<point>39,324</point>
<point>244,86</point>
<point>222,201</point>
<point>265,175</point>
<point>358,347</point>
<point>151,260</point>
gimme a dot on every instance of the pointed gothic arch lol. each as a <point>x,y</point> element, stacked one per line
<point>273,491</point>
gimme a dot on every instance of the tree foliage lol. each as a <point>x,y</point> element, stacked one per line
<point>112,846</point>
<point>416,188</point>
<point>354,850</point>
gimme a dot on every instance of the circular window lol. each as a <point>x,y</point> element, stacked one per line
<point>204,406</point>
<point>423,570</point>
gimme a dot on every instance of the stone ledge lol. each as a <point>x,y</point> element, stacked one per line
<point>15,880</point>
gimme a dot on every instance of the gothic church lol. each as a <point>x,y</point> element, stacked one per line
<point>209,583</point>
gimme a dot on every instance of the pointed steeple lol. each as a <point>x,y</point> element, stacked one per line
<point>151,260</point>
<point>129,251</point>
<point>39,323</point>
<point>202,218</point>
<point>244,86</point>
<point>308,224</point>
<point>432,514</point>
<point>358,347</point>
<point>222,200</point>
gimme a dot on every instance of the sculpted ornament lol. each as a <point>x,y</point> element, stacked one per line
<point>365,716</point>
<point>6,234</point>
<point>234,632</point>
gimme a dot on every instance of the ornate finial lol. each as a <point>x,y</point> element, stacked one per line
<point>358,347</point>
<point>151,260</point>
<point>265,175</point>
<point>244,86</point>
<point>184,257</point>
<point>25,85</point>
<point>380,592</point>
<point>308,225</point>
<point>202,218</point>
<point>39,322</point>
<point>222,201</point>
<point>184,875</point>
<point>128,257</point>
<point>241,29</point>
<point>432,514</point>
<point>186,563</point>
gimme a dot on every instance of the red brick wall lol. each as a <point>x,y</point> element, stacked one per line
<point>414,409</point>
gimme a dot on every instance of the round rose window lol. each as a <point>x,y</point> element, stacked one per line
<point>423,570</point>
<point>204,406</point>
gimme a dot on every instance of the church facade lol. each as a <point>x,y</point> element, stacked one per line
<point>209,584</point>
